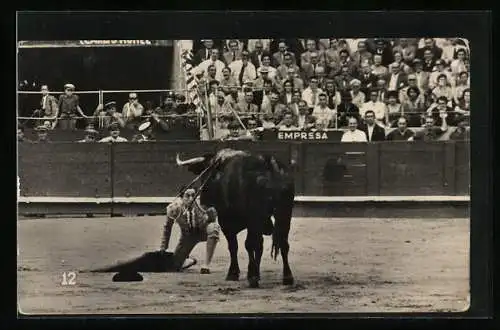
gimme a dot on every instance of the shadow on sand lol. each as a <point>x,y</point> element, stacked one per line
<point>149,262</point>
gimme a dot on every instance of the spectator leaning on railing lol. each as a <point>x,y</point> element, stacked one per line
<point>373,131</point>
<point>132,110</point>
<point>287,124</point>
<point>48,106</point>
<point>402,133</point>
<point>108,114</point>
<point>431,132</point>
<point>353,134</point>
<point>68,108</point>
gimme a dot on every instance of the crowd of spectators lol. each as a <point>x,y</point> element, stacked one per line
<point>361,85</point>
<point>317,84</point>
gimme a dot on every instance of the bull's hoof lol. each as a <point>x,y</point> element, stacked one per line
<point>288,280</point>
<point>204,271</point>
<point>233,277</point>
<point>253,282</point>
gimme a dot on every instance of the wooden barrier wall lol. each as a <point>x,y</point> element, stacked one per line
<point>321,169</point>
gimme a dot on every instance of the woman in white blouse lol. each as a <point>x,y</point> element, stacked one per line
<point>443,88</point>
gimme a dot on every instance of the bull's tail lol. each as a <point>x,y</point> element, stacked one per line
<point>275,248</point>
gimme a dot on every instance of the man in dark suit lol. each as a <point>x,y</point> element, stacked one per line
<point>396,79</point>
<point>204,53</point>
<point>256,55</point>
<point>279,57</point>
<point>367,78</point>
<point>373,131</point>
<point>383,48</point>
<point>429,62</point>
<point>48,106</point>
<point>430,44</point>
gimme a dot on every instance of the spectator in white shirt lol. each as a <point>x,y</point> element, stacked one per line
<point>323,113</point>
<point>311,93</point>
<point>458,65</point>
<point>219,65</point>
<point>373,104</point>
<point>377,68</point>
<point>243,69</point>
<point>114,134</point>
<point>358,97</point>
<point>132,109</point>
<point>353,134</point>
<point>287,124</point>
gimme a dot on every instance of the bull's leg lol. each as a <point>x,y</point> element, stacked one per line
<point>234,269</point>
<point>283,220</point>
<point>287,272</point>
<point>259,249</point>
<point>252,273</point>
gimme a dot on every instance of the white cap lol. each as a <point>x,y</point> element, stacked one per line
<point>144,126</point>
<point>69,86</point>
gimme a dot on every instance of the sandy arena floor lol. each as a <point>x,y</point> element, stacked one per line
<point>340,265</point>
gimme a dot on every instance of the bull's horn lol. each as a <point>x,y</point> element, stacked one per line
<point>189,161</point>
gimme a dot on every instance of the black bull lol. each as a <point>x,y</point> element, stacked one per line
<point>247,190</point>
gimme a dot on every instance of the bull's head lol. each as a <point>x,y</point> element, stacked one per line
<point>195,165</point>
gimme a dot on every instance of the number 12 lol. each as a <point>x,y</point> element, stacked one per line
<point>69,278</point>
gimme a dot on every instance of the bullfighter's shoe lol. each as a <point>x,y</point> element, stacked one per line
<point>205,270</point>
<point>188,263</point>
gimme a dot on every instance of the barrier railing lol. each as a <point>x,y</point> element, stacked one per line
<point>329,169</point>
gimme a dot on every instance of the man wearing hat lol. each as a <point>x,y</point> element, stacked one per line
<point>108,115</point>
<point>263,76</point>
<point>421,75</point>
<point>242,69</point>
<point>68,108</point>
<point>90,135</point>
<point>114,134</point>
<point>145,132</point>
<point>42,134</point>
